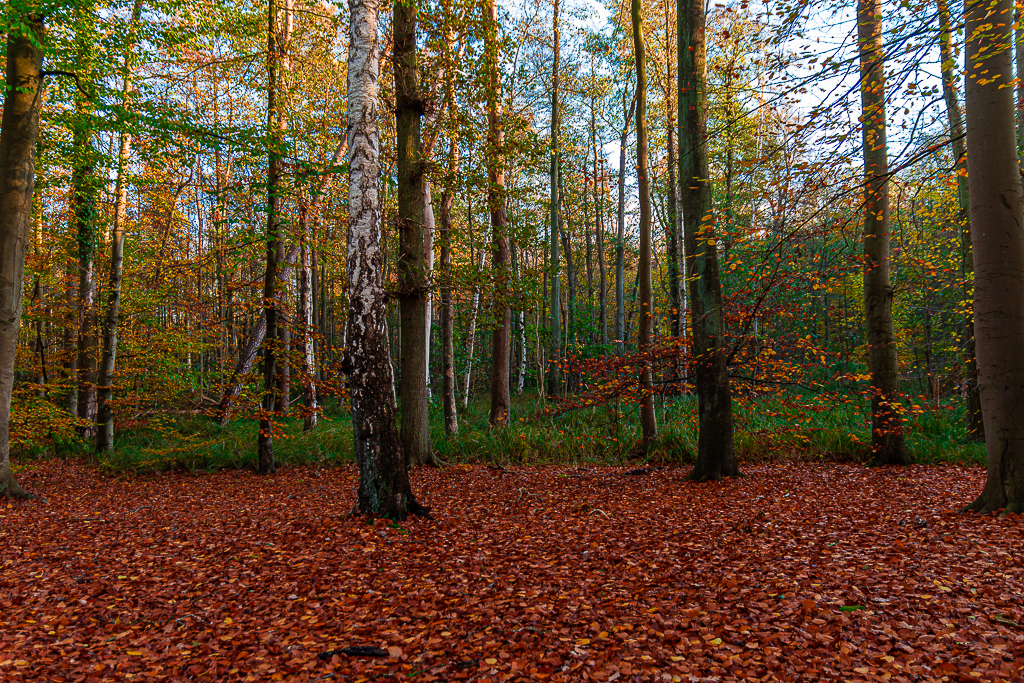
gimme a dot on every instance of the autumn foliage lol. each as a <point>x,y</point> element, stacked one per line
<point>796,572</point>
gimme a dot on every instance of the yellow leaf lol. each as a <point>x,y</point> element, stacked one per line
<point>583,641</point>
<point>491,660</point>
<point>135,653</point>
<point>716,641</point>
<point>229,620</point>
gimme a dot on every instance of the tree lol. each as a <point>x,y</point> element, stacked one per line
<point>105,411</point>
<point>647,420</point>
<point>384,489</point>
<point>716,454</point>
<point>272,347</point>
<point>554,370</point>
<point>413,268</point>
<point>887,441</point>
<point>997,237</point>
<point>18,134</point>
<point>500,256</point>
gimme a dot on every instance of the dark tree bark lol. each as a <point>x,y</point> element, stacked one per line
<point>716,454</point>
<point>887,439</point>
<point>997,231</point>
<point>500,257</point>
<point>413,275</point>
<point>18,134</point>
<point>646,323</point>
<point>384,489</point>
<point>271,305</point>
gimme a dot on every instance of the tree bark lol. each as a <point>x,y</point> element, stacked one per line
<point>648,424</point>
<point>18,134</point>
<point>384,489</point>
<point>887,439</point>
<point>413,274</point>
<point>997,231</point>
<point>716,454</point>
<point>105,413</point>
<point>975,424</point>
<point>501,337</point>
<point>555,350</point>
<point>676,324</point>
<point>310,398</point>
<point>271,342</point>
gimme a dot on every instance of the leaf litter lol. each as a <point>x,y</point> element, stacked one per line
<point>793,572</point>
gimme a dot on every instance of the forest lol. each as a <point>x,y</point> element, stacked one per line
<point>535,340</point>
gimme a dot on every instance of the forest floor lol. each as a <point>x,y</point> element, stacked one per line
<point>794,572</point>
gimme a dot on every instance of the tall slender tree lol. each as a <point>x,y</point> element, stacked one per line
<point>18,134</point>
<point>412,259</point>
<point>555,350</point>
<point>648,424</point>
<point>716,454</point>
<point>887,439</point>
<point>384,489</point>
<point>271,342</point>
<point>500,256</point>
<point>105,413</point>
<point>997,232</point>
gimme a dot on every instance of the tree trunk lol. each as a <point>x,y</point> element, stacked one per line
<point>555,350</point>
<point>997,231</point>
<point>471,335</point>
<point>501,337</point>
<point>384,489</point>
<point>716,455</point>
<point>413,274</point>
<point>105,413</point>
<point>85,201</point>
<point>451,419</point>
<point>887,440</point>
<point>647,417</point>
<point>310,399</point>
<point>975,424</point>
<point>271,305</point>
<point>676,325</point>
<point>18,134</point>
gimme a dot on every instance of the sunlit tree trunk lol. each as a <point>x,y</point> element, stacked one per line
<point>646,324</point>
<point>105,413</point>
<point>975,424</point>
<point>310,399</point>
<point>555,350</point>
<point>384,489</point>
<point>413,274</point>
<point>997,231</point>
<point>887,440</point>
<point>501,337</point>
<point>716,454</point>
<point>18,134</point>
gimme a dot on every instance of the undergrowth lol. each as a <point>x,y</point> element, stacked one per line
<point>540,434</point>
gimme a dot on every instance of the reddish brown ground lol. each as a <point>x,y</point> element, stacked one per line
<point>538,574</point>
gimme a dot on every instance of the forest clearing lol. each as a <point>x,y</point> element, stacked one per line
<point>533,340</point>
<point>795,572</point>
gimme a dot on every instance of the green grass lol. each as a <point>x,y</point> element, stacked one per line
<point>799,428</point>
